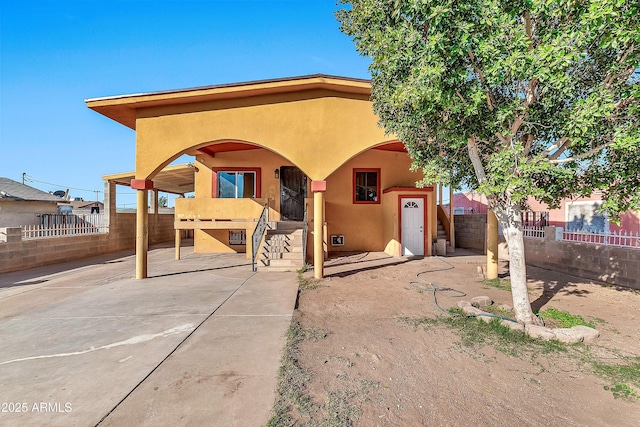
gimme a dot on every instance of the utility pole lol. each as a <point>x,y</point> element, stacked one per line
<point>23,175</point>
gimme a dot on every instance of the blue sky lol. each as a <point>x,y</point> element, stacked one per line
<point>55,54</point>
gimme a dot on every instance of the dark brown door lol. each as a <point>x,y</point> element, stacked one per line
<point>293,190</point>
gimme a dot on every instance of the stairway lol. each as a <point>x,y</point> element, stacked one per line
<point>442,234</point>
<point>282,247</point>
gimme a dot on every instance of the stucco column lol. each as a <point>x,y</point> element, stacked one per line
<point>109,202</point>
<point>452,231</point>
<point>178,244</point>
<point>492,245</point>
<point>142,225</point>
<point>318,188</point>
<point>154,202</point>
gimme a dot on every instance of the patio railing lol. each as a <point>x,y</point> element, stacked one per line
<point>256,238</point>
<point>622,239</point>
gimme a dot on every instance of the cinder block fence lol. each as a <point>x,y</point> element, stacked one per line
<point>607,263</point>
<point>17,253</point>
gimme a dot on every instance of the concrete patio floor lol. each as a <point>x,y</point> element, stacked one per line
<point>198,343</point>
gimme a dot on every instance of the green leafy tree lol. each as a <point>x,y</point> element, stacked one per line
<point>163,201</point>
<point>516,98</point>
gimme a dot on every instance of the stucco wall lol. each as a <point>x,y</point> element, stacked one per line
<point>17,254</point>
<point>16,213</point>
<point>366,227</point>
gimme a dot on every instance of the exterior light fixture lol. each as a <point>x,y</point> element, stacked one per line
<point>276,173</point>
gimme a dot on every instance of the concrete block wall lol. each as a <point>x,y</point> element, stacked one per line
<point>17,254</point>
<point>610,264</point>
<point>470,231</point>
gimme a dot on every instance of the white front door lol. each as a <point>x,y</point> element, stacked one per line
<point>412,226</point>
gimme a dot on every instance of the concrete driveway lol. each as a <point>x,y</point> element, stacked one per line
<point>198,343</point>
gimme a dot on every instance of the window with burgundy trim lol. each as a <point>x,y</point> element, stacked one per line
<point>366,186</point>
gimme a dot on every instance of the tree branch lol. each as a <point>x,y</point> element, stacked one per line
<point>527,28</point>
<point>502,138</point>
<point>474,155</point>
<point>490,101</point>
<point>581,156</point>
<point>515,127</point>
<point>531,92</point>
<point>560,145</point>
<point>527,144</point>
<point>610,79</point>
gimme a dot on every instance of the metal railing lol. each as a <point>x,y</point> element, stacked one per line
<point>533,232</point>
<point>622,239</point>
<point>305,229</point>
<point>65,225</point>
<point>258,233</point>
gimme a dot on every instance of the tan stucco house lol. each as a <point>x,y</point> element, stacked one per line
<point>303,151</point>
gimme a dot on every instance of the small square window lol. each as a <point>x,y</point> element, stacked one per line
<point>366,186</point>
<point>237,237</point>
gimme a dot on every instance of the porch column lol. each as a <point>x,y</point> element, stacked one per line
<point>492,245</point>
<point>318,188</point>
<point>452,231</point>
<point>154,202</point>
<point>178,244</point>
<point>109,203</point>
<point>142,225</point>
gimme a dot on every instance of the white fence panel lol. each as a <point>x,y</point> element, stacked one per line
<point>65,225</point>
<point>622,239</point>
<point>533,232</point>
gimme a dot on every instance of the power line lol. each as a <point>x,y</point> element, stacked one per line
<point>27,178</point>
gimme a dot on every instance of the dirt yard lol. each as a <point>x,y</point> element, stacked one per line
<point>372,350</point>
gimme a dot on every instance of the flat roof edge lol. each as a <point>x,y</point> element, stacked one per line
<point>228,85</point>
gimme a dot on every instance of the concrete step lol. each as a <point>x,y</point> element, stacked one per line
<point>288,263</point>
<point>280,236</point>
<point>281,255</point>
<point>286,225</point>
<point>278,269</point>
<point>281,249</point>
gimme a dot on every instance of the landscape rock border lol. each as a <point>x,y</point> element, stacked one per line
<point>571,335</point>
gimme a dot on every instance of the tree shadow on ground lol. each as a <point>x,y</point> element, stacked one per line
<point>366,266</point>
<point>552,288</point>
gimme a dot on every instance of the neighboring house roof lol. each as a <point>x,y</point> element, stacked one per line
<point>12,190</point>
<point>84,204</point>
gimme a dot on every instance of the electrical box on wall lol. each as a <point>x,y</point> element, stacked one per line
<point>337,240</point>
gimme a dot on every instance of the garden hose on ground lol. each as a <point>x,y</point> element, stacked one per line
<point>348,259</point>
<point>425,286</point>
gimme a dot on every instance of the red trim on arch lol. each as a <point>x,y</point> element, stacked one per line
<point>378,186</point>
<point>424,207</point>
<point>214,179</point>
<point>392,146</point>
<point>224,147</point>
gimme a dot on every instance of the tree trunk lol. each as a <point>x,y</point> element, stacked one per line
<point>508,215</point>
<point>509,218</point>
